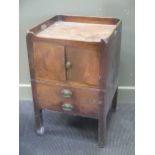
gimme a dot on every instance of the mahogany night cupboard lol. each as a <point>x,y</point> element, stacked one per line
<point>74,64</point>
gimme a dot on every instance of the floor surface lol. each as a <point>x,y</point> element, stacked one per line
<point>67,135</point>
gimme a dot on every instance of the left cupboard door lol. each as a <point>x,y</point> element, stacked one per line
<point>49,60</point>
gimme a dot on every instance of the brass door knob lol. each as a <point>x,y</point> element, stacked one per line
<point>68,64</point>
<point>66,93</point>
<point>67,107</point>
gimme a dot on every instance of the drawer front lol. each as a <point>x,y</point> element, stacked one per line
<point>84,66</point>
<point>80,101</point>
<point>49,61</point>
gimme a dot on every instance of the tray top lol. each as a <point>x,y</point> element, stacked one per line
<point>77,31</point>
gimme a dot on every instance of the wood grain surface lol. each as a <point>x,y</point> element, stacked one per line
<point>85,101</point>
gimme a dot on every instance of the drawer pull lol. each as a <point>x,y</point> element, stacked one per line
<point>67,107</point>
<point>66,93</point>
<point>67,64</point>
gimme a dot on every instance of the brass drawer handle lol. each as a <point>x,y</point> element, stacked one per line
<point>68,64</point>
<point>66,93</point>
<point>67,107</point>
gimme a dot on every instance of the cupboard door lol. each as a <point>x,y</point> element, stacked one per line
<point>83,65</point>
<point>49,61</point>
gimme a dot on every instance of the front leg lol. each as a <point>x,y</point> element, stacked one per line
<point>39,122</point>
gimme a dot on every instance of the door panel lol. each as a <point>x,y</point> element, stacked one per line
<point>49,61</point>
<point>84,65</point>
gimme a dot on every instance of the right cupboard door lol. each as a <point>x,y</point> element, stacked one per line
<point>83,65</point>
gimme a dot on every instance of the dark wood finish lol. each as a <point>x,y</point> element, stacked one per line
<point>83,69</point>
<point>81,19</point>
<point>49,61</point>
<point>37,110</point>
<point>76,77</point>
<point>84,100</point>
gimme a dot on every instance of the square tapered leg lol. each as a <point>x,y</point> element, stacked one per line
<point>39,121</point>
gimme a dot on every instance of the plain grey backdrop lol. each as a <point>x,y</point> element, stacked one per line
<point>32,12</point>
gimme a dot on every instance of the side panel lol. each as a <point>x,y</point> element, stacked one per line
<point>113,48</point>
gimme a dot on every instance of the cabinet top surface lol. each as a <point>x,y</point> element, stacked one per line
<point>89,32</point>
